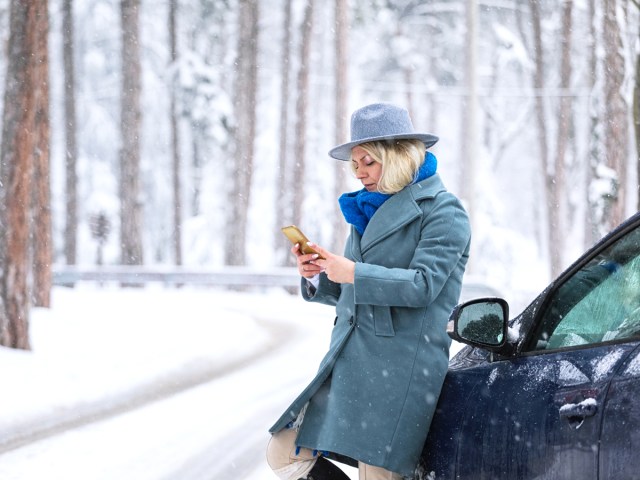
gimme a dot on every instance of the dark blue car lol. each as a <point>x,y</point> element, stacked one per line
<point>555,392</point>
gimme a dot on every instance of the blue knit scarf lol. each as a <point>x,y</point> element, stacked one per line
<point>358,207</point>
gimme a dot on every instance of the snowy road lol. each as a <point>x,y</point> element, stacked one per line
<point>155,383</point>
<point>217,430</point>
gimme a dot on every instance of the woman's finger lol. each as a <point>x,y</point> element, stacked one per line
<point>307,258</point>
<point>320,250</point>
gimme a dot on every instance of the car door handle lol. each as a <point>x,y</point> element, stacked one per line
<point>577,412</point>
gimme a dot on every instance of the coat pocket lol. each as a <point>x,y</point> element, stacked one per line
<point>383,322</point>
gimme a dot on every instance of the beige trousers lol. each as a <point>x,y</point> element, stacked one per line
<point>287,465</point>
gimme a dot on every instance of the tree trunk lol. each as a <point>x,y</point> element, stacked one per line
<point>197,135</point>
<point>71,147</point>
<point>538,85</point>
<point>244,133</point>
<point>175,145</point>
<point>16,161</point>
<point>615,109</point>
<point>302,101</point>
<point>341,118</point>
<point>593,223</point>
<point>636,121</point>
<point>283,194</point>
<point>469,131</point>
<point>557,181</point>
<point>130,202</point>
<point>42,236</point>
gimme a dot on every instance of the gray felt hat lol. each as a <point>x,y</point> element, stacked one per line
<point>380,121</point>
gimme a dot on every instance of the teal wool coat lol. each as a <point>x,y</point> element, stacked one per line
<point>377,387</point>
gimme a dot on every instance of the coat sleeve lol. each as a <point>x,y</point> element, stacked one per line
<point>443,245</point>
<point>327,291</point>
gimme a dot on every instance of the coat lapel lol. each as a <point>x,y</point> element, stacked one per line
<point>401,209</point>
<point>355,245</point>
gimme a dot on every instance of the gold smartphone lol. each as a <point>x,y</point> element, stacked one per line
<point>295,235</point>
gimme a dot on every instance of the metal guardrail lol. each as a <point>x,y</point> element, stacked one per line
<point>134,274</point>
<point>223,276</point>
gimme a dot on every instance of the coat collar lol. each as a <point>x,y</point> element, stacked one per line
<point>400,209</point>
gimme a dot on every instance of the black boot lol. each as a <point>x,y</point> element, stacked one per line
<point>326,470</point>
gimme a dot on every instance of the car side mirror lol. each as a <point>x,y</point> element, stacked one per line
<point>482,322</point>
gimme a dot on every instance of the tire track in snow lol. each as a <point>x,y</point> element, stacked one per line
<point>156,390</point>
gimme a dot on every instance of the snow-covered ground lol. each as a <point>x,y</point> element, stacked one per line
<point>155,383</point>
<point>101,353</point>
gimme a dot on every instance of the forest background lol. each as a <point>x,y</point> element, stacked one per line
<point>186,133</point>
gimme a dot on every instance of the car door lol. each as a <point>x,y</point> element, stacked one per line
<point>620,435</point>
<point>539,414</point>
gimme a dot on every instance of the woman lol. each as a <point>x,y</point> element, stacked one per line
<point>376,390</point>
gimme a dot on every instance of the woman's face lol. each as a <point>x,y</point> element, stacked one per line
<point>368,171</point>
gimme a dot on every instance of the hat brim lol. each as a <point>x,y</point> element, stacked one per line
<point>343,152</point>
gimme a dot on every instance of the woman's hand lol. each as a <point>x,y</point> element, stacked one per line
<point>305,267</point>
<point>339,269</point>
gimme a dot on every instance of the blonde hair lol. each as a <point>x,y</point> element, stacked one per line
<point>400,161</point>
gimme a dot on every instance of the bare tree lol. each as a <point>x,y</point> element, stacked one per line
<point>42,229</point>
<point>553,173</point>
<point>246,88</point>
<point>16,161</point>
<point>543,143</point>
<point>302,101</point>
<point>175,144</point>
<point>556,176</point>
<point>130,115</point>
<point>469,130</point>
<point>615,108</point>
<point>341,115</point>
<point>593,223</point>
<point>636,111</point>
<point>71,146</point>
<point>283,194</point>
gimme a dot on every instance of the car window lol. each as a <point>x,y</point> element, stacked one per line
<point>600,302</point>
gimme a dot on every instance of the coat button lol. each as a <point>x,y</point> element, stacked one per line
<point>351,321</point>
<point>335,320</point>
